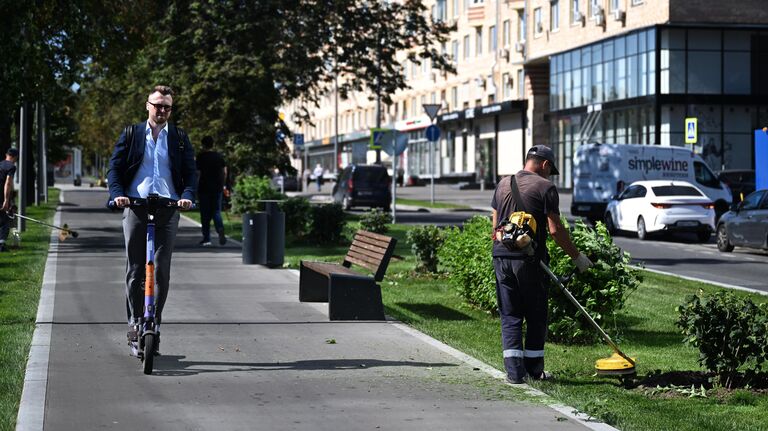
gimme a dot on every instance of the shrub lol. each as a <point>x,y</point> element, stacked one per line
<point>249,190</point>
<point>425,242</point>
<point>466,256</point>
<point>297,216</point>
<point>730,333</point>
<point>376,221</point>
<point>326,223</point>
<point>602,291</point>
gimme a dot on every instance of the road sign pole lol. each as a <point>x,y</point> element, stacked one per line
<point>432,172</point>
<point>433,135</point>
<point>394,181</point>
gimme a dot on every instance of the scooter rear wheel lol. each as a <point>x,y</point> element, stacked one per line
<point>149,353</point>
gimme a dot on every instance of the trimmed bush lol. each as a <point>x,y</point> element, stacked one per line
<point>425,242</point>
<point>297,216</point>
<point>326,223</point>
<point>249,190</point>
<point>466,257</point>
<point>602,291</point>
<point>376,221</point>
<point>730,332</point>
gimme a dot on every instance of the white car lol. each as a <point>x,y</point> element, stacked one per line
<point>647,207</point>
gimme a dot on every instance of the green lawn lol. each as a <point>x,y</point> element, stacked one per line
<point>648,333</point>
<point>428,204</point>
<point>21,277</point>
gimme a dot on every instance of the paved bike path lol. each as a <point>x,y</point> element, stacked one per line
<point>241,353</point>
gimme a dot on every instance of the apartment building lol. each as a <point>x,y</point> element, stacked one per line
<point>564,72</point>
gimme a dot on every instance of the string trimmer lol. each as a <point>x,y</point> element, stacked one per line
<point>64,229</point>
<point>618,364</point>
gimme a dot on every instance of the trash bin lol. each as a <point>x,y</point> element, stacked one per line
<point>255,238</point>
<point>275,235</point>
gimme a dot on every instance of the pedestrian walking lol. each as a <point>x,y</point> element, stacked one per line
<point>7,170</point>
<point>318,172</point>
<point>157,158</point>
<point>210,190</point>
<point>520,289</point>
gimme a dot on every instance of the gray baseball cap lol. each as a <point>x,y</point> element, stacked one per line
<point>545,153</point>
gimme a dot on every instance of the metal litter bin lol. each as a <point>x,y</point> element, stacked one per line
<point>275,233</point>
<point>255,238</point>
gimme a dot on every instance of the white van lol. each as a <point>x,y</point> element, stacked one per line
<point>601,171</point>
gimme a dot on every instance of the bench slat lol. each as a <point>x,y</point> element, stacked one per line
<point>364,264</point>
<point>326,268</point>
<point>374,261</point>
<point>376,254</point>
<point>374,245</point>
<point>374,236</point>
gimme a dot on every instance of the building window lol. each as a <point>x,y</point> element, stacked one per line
<point>455,51</point>
<point>506,83</point>
<point>455,7</point>
<point>575,13</point>
<point>455,97</point>
<point>554,15</point>
<point>505,33</point>
<point>492,39</point>
<point>520,26</point>
<point>466,47</point>
<point>538,27</point>
<point>615,5</point>
<point>441,12</point>
<point>521,84</point>
<point>637,2</point>
<point>478,41</point>
<point>594,7</point>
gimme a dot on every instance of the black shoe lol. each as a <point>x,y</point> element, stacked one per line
<point>512,381</point>
<point>222,237</point>
<point>544,376</point>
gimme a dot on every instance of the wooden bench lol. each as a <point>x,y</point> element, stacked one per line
<point>349,294</point>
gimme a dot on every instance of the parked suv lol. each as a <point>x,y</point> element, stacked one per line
<point>363,185</point>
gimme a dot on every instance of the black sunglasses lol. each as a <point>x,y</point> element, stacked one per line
<point>160,106</point>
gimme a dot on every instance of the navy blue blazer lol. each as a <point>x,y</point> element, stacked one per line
<point>127,157</point>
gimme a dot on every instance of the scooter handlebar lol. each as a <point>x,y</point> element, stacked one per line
<point>140,202</point>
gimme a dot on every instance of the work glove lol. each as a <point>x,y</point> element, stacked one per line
<point>582,262</point>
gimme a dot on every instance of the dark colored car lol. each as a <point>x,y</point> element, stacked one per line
<point>746,224</point>
<point>363,185</point>
<point>740,181</point>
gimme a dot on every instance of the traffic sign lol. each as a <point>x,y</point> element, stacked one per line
<point>432,133</point>
<point>691,130</point>
<point>431,109</point>
<point>377,136</point>
<point>400,144</point>
<point>298,140</point>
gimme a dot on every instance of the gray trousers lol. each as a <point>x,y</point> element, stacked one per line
<point>135,232</point>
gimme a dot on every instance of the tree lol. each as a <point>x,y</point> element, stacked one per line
<point>234,63</point>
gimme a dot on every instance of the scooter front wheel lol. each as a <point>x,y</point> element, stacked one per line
<point>149,352</point>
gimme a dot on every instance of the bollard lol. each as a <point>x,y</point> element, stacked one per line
<point>255,238</point>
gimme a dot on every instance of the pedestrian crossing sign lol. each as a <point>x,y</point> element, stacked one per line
<point>691,130</point>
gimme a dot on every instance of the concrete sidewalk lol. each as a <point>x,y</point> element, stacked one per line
<point>241,353</point>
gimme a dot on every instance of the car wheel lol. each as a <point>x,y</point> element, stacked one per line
<point>642,233</point>
<point>722,240</point>
<point>346,203</point>
<point>703,235</point>
<point>609,224</point>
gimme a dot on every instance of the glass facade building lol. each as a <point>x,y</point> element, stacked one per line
<point>639,87</point>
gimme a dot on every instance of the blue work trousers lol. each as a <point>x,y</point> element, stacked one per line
<point>522,297</point>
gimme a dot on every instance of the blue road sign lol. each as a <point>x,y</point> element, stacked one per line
<point>298,140</point>
<point>432,133</point>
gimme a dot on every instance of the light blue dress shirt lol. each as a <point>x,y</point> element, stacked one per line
<point>154,174</point>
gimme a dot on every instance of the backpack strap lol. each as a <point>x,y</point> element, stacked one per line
<point>128,132</point>
<point>519,204</point>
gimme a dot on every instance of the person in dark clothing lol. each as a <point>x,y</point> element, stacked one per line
<point>520,289</point>
<point>7,170</point>
<point>210,190</point>
<point>158,159</point>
